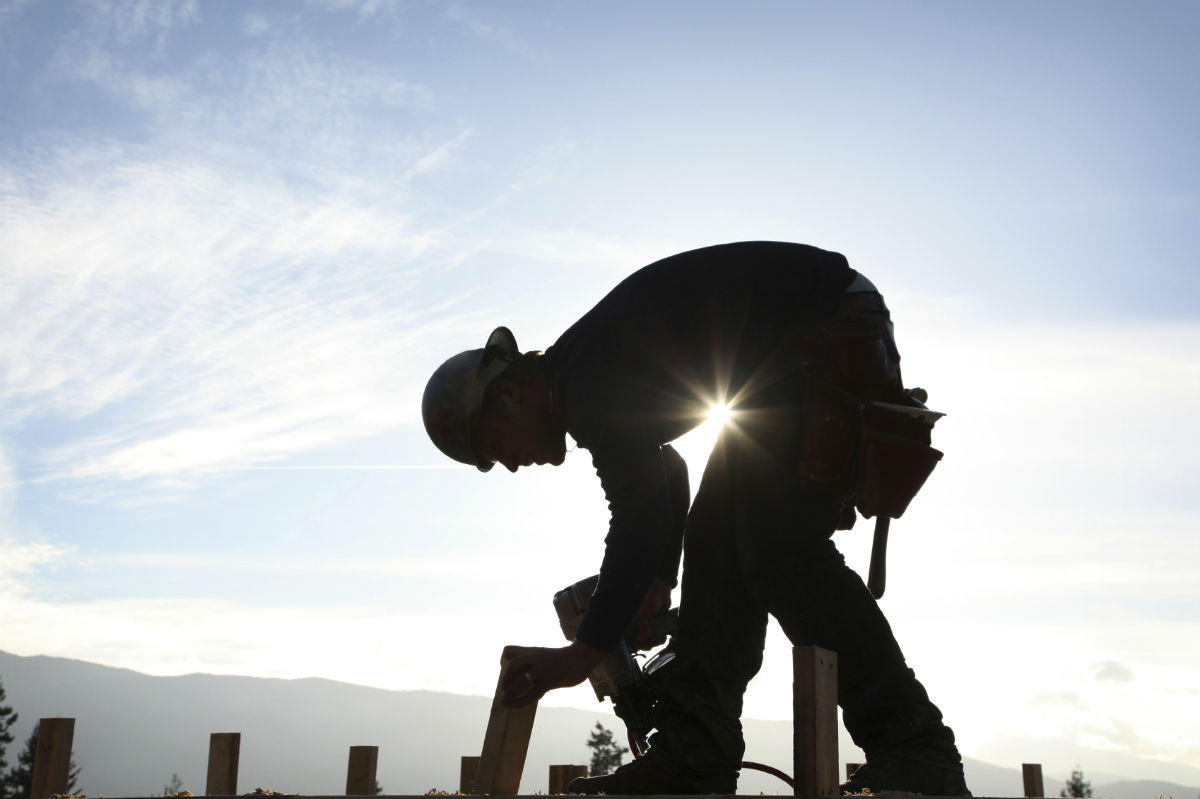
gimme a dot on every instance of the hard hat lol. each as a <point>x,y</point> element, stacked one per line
<point>454,396</point>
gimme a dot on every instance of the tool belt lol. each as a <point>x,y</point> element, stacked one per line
<point>864,435</point>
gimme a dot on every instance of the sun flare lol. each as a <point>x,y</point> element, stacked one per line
<point>719,414</point>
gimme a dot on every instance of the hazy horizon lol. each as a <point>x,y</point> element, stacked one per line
<point>295,733</point>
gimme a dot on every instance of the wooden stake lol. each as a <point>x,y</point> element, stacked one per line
<point>504,745</point>
<point>851,768</point>
<point>52,759</point>
<point>223,749</point>
<point>814,721</point>
<point>562,776</point>
<point>466,774</point>
<point>1031,775</point>
<point>360,772</point>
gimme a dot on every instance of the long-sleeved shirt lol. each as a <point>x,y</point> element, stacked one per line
<point>647,363</point>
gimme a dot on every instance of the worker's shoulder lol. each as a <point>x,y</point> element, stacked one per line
<point>758,249</point>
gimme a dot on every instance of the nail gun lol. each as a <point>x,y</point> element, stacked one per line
<point>619,676</point>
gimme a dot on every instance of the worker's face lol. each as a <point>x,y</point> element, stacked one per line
<point>518,429</point>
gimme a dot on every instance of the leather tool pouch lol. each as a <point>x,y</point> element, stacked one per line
<point>829,429</point>
<point>849,358</point>
<point>894,459</point>
<point>860,356</point>
<point>861,434</point>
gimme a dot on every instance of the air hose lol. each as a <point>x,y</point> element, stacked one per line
<point>637,753</point>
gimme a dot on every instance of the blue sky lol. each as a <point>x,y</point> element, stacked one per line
<point>235,239</point>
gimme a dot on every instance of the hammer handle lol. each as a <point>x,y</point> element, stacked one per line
<point>877,578</point>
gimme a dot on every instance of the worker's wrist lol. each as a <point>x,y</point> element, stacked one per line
<point>584,656</point>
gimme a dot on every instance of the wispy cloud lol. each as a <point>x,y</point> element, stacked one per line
<point>1112,671</point>
<point>489,30</point>
<point>133,22</point>
<point>209,318</point>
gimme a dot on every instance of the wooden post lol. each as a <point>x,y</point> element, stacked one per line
<point>558,780</point>
<point>52,759</point>
<point>851,768</point>
<point>814,721</point>
<point>561,777</point>
<point>1031,774</point>
<point>504,745</point>
<point>360,772</point>
<point>223,749</point>
<point>466,774</point>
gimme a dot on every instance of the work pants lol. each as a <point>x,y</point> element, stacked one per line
<point>756,544</point>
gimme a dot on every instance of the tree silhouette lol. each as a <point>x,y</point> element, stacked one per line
<point>7,719</point>
<point>1076,786</point>
<point>173,787</point>
<point>606,755</point>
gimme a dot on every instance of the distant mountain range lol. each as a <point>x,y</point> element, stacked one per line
<point>133,731</point>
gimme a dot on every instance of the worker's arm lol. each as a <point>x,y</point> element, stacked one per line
<point>634,480</point>
<point>658,597</point>
<point>680,492</point>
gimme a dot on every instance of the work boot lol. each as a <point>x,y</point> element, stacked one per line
<point>917,771</point>
<point>650,775</point>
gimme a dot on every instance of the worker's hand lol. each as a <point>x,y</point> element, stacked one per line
<point>532,671</point>
<point>657,601</point>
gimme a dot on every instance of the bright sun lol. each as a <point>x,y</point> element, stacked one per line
<point>719,414</point>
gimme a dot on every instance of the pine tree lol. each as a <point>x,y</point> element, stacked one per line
<point>1076,786</point>
<point>7,719</point>
<point>606,755</point>
<point>18,782</point>
<point>173,787</point>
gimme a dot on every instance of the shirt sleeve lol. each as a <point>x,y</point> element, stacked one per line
<point>680,492</point>
<point>634,480</point>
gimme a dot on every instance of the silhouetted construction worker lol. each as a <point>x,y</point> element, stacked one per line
<point>782,334</point>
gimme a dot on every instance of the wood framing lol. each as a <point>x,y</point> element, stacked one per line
<point>1031,775</point>
<point>504,745</point>
<point>814,721</point>
<point>561,777</point>
<point>52,758</point>
<point>466,774</point>
<point>360,770</point>
<point>223,749</point>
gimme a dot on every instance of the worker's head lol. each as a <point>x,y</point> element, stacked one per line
<point>519,423</point>
<point>494,405</point>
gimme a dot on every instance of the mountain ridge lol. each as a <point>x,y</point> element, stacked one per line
<point>135,730</point>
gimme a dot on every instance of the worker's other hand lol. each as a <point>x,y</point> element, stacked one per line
<point>532,671</point>
<point>657,601</point>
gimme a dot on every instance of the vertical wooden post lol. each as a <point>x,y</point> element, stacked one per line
<point>505,745</point>
<point>52,759</point>
<point>1031,775</point>
<point>360,772</point>
<point>561,777</point>
<point>558,780</point>
<point>814,721</point>
<point>851,768</point>
<point>223,750</point>
<point>466,774</point>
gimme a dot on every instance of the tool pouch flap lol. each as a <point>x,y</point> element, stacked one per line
<point>859,353</point>
<point>895,458</point>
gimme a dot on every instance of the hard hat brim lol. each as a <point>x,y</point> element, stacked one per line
<point>454,395</point>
